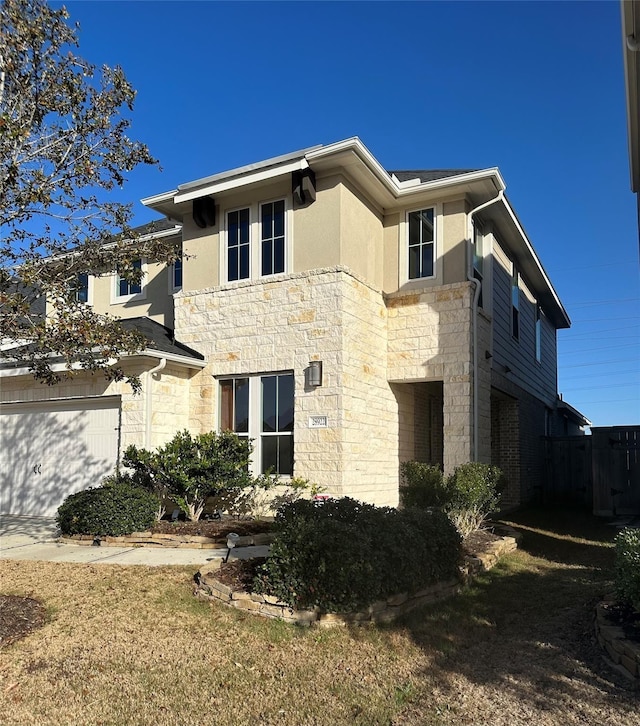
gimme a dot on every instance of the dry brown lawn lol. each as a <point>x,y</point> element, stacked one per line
<point>132,646</point>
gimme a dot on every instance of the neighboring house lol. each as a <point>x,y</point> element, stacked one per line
<point>344,317</point>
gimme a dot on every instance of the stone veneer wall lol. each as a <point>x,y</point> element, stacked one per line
<point>280,324</point>
<point>430,339</point>
<point>364,340</point>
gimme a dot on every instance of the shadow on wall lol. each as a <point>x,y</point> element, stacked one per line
<point>48,454</point>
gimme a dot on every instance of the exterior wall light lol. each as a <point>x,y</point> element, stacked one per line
<point>315,373</point>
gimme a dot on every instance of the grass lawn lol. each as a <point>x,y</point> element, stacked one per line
<point>131,645</point>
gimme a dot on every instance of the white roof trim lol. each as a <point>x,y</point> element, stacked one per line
<point>170,357</point>
<point>11,371</point>
<point>534,257</point>
<point>240,181</point>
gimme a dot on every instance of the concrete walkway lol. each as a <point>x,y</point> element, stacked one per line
<point>34,538</point>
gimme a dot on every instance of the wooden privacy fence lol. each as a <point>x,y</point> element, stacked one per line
<point>601,471</point>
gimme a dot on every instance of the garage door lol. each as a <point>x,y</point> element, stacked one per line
<point>51,449</point>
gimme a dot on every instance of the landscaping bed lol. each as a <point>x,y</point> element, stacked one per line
<point>204,534</point>
<point>231,582</point>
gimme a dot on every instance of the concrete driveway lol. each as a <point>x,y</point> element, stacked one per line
<point>34,538</point>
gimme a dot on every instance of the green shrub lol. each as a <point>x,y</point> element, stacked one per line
<point>473,492</point>
<point>344,554</point>
<point>115,508</point>
<point>627,568</point>
<point>467,495</point>
<point>422,485</point>
<point>190,469</point>
<point>474,486</point>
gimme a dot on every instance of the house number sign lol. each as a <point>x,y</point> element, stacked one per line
<point>318,422</point>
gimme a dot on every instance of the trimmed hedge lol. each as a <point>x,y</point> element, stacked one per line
<point>627,568</point>
<point>114,509</point>
<point>344,554</point>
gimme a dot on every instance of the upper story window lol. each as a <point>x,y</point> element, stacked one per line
<point>256,241</point>
<point>421,243</point>
<point>238,244</point>
<point>175,276</point>
<point>272,224</point>
<point>515,304</point>
<point>82,288</point>
<point>538,333</point>
<point>126,290</point>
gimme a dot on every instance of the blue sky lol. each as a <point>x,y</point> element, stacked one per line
<point>536,89</point>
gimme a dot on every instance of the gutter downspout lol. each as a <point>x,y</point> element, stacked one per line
<point>476,297</point>
<point>148,402</point>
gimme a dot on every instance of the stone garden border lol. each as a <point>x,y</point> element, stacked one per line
<point>624,653</point>
<point>149,539</point>
<point>386,611</point>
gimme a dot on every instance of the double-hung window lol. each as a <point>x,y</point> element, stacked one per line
<point>256,241</point>
<point>421,231</point>
<point>261,408</point>
<point>175,275</point>
<point>126,290</point>
<point>272,226</point>
<point>238,244</point>
<point>82,288</point>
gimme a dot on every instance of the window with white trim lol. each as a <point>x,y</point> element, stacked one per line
<point>421,238</point>
<point>256,241</point>
<point>272,233</point>
<point>261,408</point>
<point>238,244</point>
<point>126,290</point>
<point>175,275</point>
<point>81,289</point>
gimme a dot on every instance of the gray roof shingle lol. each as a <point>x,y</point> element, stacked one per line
<point>427,175</point>
<point>160,337</point>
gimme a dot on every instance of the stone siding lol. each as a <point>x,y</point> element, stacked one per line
<point>430,339</point>
<point>281,324</point>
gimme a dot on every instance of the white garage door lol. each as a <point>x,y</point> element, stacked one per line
<point>50,449</point>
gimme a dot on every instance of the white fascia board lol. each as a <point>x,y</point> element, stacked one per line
<point>535,258</point>
<point>452,181</point>
<point>355,145</point>
<point>8,372</point>
<point>241,181</point>
<point>170,357</point>
<point>391,183</point>
<point>159,198</point>
<point>55,367</point>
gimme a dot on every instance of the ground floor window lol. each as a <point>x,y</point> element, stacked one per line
<point>261,408</point>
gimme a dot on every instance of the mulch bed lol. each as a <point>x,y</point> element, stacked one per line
<point>19,616</point>
<point>239,574</point>
<point>215,528</point>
